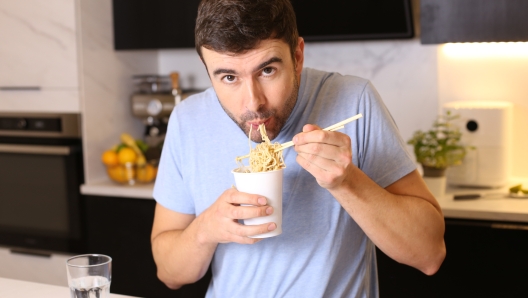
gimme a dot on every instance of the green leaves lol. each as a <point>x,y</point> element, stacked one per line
<point>142,146</point>
<point>439,147</point>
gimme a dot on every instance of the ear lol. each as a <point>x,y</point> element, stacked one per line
<point>299,56</point>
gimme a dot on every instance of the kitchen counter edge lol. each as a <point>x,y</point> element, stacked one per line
<point>112,189</point>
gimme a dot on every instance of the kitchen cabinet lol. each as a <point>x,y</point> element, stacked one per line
<point>38,56</point>
<point>484,259</point>
<point>154,24</point>
<point>473,21</point>
<point>46,268</point>
<point>162,24</point>
<point>120,228</point>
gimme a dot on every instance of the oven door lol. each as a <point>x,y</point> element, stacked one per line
<point>39,195</point>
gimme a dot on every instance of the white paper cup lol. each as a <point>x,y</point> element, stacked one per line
<point>268,185</point>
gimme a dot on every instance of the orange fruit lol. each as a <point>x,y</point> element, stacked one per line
<point>116,173</point>
<point>146,174</point>
<point>109,158</point>
<point>126,155</point>
<point>121,173</point>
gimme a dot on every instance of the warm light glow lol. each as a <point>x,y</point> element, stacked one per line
<point>486,50</point>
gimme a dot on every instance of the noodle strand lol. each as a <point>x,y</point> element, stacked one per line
<point>263,158</point>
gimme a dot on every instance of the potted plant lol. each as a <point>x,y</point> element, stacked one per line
<point>437,149</point>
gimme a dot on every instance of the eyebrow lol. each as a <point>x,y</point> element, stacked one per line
<point>266,63</point>
<point>260,66</point>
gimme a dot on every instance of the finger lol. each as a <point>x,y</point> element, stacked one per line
<point>240,230</point>
<point>317,160</point>
<point>246,212</point>
<point>237,197</point>
<point>320,150</point>
<point>310,127</point>
<point>335,166</point>
<point>322,136</point>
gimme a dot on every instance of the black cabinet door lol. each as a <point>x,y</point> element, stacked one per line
<point>484,259</point>
<point>154,24</point>
<point>120,228</point>
<point>165,24</point>
<point>473,21</point>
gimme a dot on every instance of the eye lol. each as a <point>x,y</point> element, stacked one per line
<point>229,78</point>
<point>268,71</point>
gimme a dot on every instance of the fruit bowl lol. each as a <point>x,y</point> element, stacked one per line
<point>131,173</point>
<point>131,161</point>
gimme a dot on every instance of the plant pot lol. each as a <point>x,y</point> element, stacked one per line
<point>436,181</point>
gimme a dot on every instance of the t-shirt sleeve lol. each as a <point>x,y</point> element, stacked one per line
<point>383,155</point>
<point>170,190</point>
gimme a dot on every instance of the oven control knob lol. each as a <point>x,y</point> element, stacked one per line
<point>154,107</point>
<point>21,123</point>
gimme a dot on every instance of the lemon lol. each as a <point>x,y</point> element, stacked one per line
<point>109,158</point>
<point>126,155</point>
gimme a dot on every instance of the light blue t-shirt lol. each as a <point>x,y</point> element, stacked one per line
<point>321,252</point>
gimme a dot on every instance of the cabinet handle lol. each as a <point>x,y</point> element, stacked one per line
<point>35,149</point>
<point>20,88</point>
<point>30,252</point>
<point>505,226</point>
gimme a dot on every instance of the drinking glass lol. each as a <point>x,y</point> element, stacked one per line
<point>89,276</point>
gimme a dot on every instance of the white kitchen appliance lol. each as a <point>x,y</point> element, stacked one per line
<point>486,126</point>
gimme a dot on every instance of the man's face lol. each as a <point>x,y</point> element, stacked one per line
<point>258,86</point>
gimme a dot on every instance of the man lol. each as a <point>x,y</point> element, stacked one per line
<point>344,192</point>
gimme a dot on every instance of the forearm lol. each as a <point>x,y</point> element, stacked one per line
<point>407,228</point>
<point>181,257</point>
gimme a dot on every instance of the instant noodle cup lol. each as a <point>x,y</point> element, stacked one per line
<point>268,185</point>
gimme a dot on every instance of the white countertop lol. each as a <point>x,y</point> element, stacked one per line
<point>12,288</point>
<point>113,189</point>
<point>493,205</point>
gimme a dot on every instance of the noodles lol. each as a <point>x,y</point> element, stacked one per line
<point>263,157</point>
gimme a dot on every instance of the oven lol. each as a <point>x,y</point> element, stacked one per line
<point>41,170</point>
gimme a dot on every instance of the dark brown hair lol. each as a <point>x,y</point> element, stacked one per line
<point>236,26</point>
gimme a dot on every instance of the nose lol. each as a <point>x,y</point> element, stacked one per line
<point>255,96</point>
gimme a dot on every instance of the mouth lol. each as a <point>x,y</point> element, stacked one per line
<point>255,124</point>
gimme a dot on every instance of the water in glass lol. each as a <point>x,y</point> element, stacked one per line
<point>90,287</point>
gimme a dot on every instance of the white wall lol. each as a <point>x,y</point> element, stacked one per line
<point>490,72</point>
<point>106,81</point>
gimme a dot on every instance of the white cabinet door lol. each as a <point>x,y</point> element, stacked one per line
<point>38,43</point>
<point>38,56</point>
<point>47,270</point>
